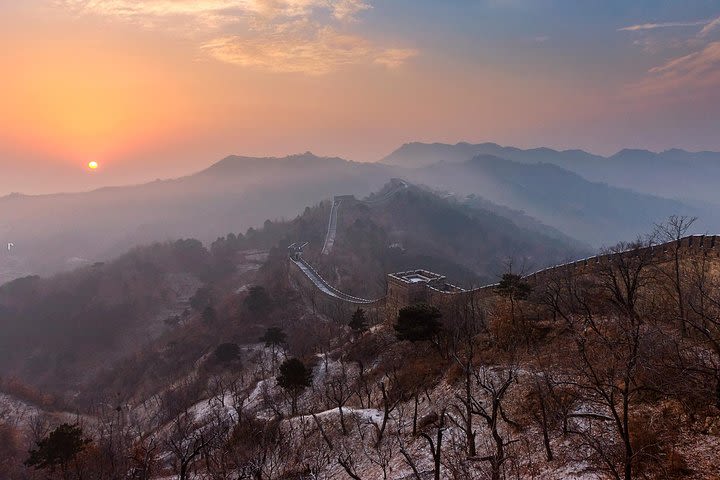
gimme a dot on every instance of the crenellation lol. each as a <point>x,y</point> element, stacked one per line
<point>422,286</point>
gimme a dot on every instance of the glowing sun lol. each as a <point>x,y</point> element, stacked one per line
<point>93,165</point>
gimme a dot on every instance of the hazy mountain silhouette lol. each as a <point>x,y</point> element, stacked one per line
<point>592,212</point>
<point>666,174</point>
<point>55,232</point>
<point>59,232</point>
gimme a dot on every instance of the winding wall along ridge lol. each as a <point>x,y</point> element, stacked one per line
<point>690,245</point>
<point>332,228</point>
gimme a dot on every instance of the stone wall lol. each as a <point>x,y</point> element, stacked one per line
<point>401,294</point>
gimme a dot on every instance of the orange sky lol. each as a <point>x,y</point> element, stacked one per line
<point>157,88</point>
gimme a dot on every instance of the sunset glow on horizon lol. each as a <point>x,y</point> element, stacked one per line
<point>159,89</point>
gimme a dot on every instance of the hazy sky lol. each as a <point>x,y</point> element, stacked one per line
<point>158,88</point>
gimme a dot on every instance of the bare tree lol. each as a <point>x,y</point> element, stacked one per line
<point>436,445</point>
<point>462,351</point>
<point>704,320</point>
<point>671,232</point>
<point>338,392</point>
<point>610,338</point>
<point>389,404</point>
<point>624,275</point>
<point>186,441</point>
<point>488,405</point>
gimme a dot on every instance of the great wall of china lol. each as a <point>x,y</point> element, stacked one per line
<point>415,286</point>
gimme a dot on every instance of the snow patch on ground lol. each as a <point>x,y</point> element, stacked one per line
<point>17,412</point>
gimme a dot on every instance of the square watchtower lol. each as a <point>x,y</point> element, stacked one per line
<point>409,288</point>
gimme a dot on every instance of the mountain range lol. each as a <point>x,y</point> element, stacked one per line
<point>594,200</point>
<point>667,174</point>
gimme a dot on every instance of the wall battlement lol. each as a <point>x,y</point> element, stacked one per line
<point>422,286</point>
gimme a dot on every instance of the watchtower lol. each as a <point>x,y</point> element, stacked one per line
<point>411,287</point>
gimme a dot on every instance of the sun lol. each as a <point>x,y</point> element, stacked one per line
<point>93,165</point>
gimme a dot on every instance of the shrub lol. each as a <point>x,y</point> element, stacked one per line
<point>418,323</point>
<point>227,352</point>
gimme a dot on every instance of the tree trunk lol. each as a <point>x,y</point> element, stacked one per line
<point>342,421</point>
<point>678,288</point>
<point>293,405</point>
<point>470,435</point>
<point>438,452</point>
<point>546,436</point>
<point>626,440</point>
<point>415,414</point>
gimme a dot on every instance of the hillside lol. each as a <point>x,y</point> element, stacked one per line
<point>416,228</point>
<point>54,233</point>
<point>514,380</point>
<point>595,213</point>
<point>146,293</point>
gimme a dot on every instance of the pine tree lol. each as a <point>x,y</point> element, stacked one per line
<point>58,449</point>
<point>294,378</point>
<point>418,323</point>
<point>358,322</point>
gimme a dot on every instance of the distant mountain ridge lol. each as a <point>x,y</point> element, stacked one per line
<point>233,194</point>
<point>239,192</point>
<point>418,154</point>
<point>593,212</point>
<point>667,174</point>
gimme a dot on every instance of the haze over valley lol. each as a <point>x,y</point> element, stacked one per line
<point>573,192</point>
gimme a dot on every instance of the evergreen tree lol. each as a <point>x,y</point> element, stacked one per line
<point>418,323</point>
<point>358,322</point>
<point>294,378</point>
<point>513,286</point>
<point>274,337</point>
<point>58,449</point>
<point>258,301</point>
<point>227,352</point>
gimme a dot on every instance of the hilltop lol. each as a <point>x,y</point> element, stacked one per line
<point>593,212</point>
<point>417,228</point>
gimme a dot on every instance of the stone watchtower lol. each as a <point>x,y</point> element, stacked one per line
<point>414,286</point>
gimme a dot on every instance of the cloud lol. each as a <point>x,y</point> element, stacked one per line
<point>275,35</point>
<point>206,14</point>
<point>286,51</point>
<point>215,10</point>
<point>695,74</point>
<point>394,57</point>
<point>691,75</point>
<point>347,9</point>
<point>707,29</point>
<point>653,26</point>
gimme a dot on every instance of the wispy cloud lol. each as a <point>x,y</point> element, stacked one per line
<point>216,9</point>
<point>691,75</point>
<point>303,36</point>
<point>654,26</point>
<point>695,74</point>
<point>320,52</point>
<point>709,28</point>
